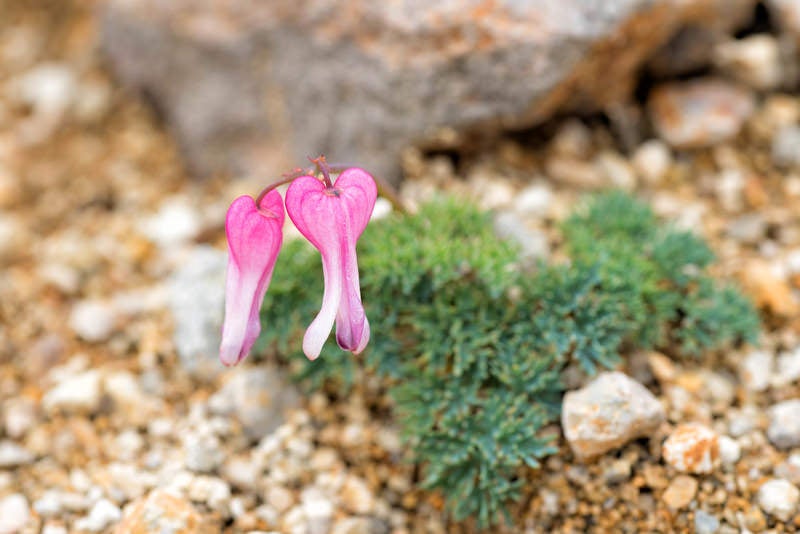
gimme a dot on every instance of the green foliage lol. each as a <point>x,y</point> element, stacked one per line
<point>472,348</point>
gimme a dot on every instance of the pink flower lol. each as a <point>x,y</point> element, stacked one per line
<point>332,218</point>
<point>254,240</point>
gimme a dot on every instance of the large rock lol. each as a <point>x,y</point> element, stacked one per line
<point>258,397</point>
<point>609,412</point>
<point>197,299</point>
<point>358,80</point>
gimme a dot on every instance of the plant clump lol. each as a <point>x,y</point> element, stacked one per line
<point>471,346</point>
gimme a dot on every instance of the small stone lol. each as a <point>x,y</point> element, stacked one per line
<point>535,199</point>
<point>75,394</point>
<point>755,370</point>
<point>768,288</point>
<point>203,451</point>
<point>20,416</point>
<point>705,523</point>
<point>749,229</point>
<point>662,367</point>
<point>12,235</point>
<point>607,413</point>
<point>258,397</point>
<point>93,102</point>
<point>241,472</point>
<point>699,113</point>
<point>790,469</point>
<point>573,139</point>
<point>616,170</point>
<point>176,222</point>
<point>162,512</point>
<point>212,491</point>
<point>786,147</point>
<point>48,88</point>
<point>786,13</point>
<point>680,492</point>
<point>356,496</point>
<point>103,514</point>
<point>652,160</point>
<point>92,320</point>
<point>574,172</point>
<point>14,455</point>
<point>279,498</point>
<point>788,368</point>
<point>54,529</point>
<point>489,192</point>
<point>533,243</point>
<point>49,504</point>
<point>360,525</point>
<point>719,390</point>
<point>753,520</point>
<point>729,450</point>
<point>197,300</point>
<point>754,60</point>
<point>691,448</point>
<point>784,424</point>
<point>740,422</point>
<point>129,482</point>
<point>317,509</point>
<point>779,498</point>
<point>127,445</point>
<point>618,471</point>
<point>130,400</point>
<point>14,513</point>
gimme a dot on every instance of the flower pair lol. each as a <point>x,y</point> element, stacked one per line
<point>332,216</point>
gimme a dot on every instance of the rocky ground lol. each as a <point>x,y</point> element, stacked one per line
<point>115,414</point>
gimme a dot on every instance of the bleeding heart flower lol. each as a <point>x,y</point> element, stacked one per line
<point>254,235</point>
<point>332,217</point>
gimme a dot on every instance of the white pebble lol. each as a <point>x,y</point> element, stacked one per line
<point>755,370</point>
<point>784,425</point>
<point>102,515</point>
<point>652,160</point>
<point>779,498</point>
<point>535,199</point>
<point>13,455</point>
<point>14,513</point>
<point>79,393</point>
<point>49,504</point>
<point>92,320</point>
<point>176,222</point>
<point>49,88</point>
<point>729,450</point>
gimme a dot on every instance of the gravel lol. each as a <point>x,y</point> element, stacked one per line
<point>107,428</point>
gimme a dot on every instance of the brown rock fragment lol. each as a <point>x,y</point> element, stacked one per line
<point>160,511</point>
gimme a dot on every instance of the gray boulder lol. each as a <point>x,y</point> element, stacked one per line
<point>243,82</point>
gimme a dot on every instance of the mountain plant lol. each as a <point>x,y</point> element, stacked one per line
<point>472,346</point>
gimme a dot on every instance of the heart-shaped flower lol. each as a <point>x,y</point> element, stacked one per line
<point>332,217</point>
<point>255,235</point>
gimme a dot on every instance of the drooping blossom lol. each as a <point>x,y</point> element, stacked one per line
<point>332,217</point>
<point>254,235</point>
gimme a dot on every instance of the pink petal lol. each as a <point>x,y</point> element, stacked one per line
<point>333,220</point>
<point>254,241</point>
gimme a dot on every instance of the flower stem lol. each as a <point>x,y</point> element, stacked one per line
<point>288,177</point>
<point>385,189</point>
